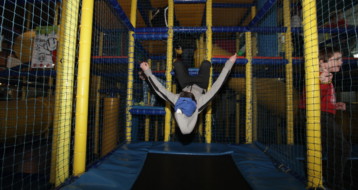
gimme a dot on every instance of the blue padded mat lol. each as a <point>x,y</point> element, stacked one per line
<point>121,169</point>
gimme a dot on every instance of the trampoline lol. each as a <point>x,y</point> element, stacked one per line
<point>173,165</point>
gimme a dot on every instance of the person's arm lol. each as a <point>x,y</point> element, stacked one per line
<point>217,84</point>
<point>157,86</point>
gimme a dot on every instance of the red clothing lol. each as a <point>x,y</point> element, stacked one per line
<point>328,99</point>
<point>340,24</point>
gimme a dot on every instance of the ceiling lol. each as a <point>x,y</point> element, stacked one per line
<point>192,14</point>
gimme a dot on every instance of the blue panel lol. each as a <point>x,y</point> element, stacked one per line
<point>262,12</point>
<point>259,171</point>
<point>152,36</point>
<point>230,29</point>
<point>152,30</point>
<point>240,61</point>
<point>117,171</point>
<point>147,110</point>
<point>179,29</point>
<point>267,43</point>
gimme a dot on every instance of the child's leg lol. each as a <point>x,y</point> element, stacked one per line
<point>181,74</point>
<point>202,79</point>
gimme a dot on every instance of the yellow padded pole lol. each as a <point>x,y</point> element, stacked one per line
<point>209,43</point>
<point>83,78</point>
<point>313,106</point>
<point>131,49</point>
<point>289,85</point>
<point>169,67</point>
<point>248,84</point>
<point>64,89</point>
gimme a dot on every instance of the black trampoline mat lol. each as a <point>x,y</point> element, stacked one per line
<point>173,171</point>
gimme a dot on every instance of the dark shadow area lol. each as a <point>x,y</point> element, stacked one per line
<point>165,171</point>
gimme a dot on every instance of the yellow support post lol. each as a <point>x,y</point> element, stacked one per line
<point>248,84</point>
<point>131,49</point>
<point>64,90</point>
<point>209,43</point>
<point>82,95</point>
<point>313,106</point>
<point>250,51</point>
<point>169,67</point>
<point>289,85</point>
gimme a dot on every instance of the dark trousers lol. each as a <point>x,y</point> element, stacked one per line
<point>298,45</point>
<point>334,146</point>
<point>184,79</point>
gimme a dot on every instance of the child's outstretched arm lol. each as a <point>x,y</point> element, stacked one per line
<point>157,86</point>
<point>218,83</point>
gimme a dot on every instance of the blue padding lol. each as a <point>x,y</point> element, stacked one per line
<point>110,60</point>
<point>240,61</point>
<point>120,169</point>
<point>269,61</point>
<point>151,36</point>
<point>259,171</point>
<point>152,30</point>
<point>199,149</point>
<point>121,14</point>
<point>147,110</point>
<point>230,29</point>
<point>180,29</point>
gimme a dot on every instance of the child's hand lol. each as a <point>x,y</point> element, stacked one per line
<point>144,66</point>
<point>341,106</point>
<point>141,75</point>
<point>233,58</point>
<point>325,77</point>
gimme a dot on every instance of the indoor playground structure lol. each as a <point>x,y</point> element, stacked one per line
<point>76,112</point>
